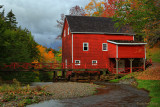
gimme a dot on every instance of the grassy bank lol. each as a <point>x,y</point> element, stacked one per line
<point>16,95</point>
<point>154,54</point>
<point>153,86</point>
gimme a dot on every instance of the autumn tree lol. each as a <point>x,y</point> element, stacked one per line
<point>95,8</point>
<point>61,21</point>
<point>76,11</point>
<point>45,56</point>
<point>58,55</point>
<point>109,8</point>
<point>103,8</point>
<point>142,15</point>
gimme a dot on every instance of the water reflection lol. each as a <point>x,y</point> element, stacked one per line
<point>50,103</point>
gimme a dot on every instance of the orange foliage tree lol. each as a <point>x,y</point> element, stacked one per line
<point>101,8</point>
<point>143,16</point>
<point>110,8</point>
<point>47,57</point>
<point>94,8</point>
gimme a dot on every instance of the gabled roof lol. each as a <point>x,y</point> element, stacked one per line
<point>95,25</point>
<point>125,42</point>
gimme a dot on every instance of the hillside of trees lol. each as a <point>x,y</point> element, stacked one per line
<point>18,45</point>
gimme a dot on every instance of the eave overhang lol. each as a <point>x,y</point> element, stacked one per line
<point>126,43</point>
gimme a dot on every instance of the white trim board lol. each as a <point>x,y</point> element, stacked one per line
<point>116,51</point>
<point>72,48</point>
<point>126,43</point>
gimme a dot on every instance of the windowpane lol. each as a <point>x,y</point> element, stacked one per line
<point>77,62</point>
<point>85,46</point>
<point>104,46</point>
<point>94,62</point>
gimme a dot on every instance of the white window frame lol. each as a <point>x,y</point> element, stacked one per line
<point>64,33</point>
<point>87,46</point>
<point>78,63</point>
<point>68,30</point>
<point>94,63</point>
<point>106,47</point>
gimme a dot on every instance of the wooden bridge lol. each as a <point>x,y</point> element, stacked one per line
<point>67,70</point>
<point>18,66</point>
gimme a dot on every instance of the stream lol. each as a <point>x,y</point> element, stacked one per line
<point>112,95</point>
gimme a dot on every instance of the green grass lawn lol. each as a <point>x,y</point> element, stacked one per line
<point>153,86</point>
<point>126,76</point>
<point>154,54</point>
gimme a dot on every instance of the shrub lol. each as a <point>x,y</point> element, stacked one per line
<point>23,77</point>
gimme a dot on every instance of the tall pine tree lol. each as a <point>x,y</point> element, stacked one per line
<point>11,20</point>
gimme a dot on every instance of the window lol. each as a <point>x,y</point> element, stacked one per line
<point>64,33</point>
<point>85,46</point>
<point>68,30</point>
<point>94,62</point>
<point>77,62</point>
<point>104,47</point>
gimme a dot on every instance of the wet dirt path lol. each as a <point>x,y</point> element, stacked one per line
<point>112,95</point>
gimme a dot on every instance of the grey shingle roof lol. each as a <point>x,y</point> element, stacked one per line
<point>97,25</point>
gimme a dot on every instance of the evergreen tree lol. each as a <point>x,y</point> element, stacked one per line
<point>11,20</point>
<point>16,44</point>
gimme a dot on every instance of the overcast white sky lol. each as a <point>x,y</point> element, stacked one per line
<point>39,16</point>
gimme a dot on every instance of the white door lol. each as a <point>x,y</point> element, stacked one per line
<point>121,65</point>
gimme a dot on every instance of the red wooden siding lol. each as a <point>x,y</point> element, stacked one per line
<point>66,45</point>
<point>111,50</point>
<point>131,51</point>
<point>95,48</point>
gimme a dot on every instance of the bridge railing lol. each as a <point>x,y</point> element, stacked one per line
<point>17,65</point>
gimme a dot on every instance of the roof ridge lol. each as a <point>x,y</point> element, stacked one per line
<point>87,16</point>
